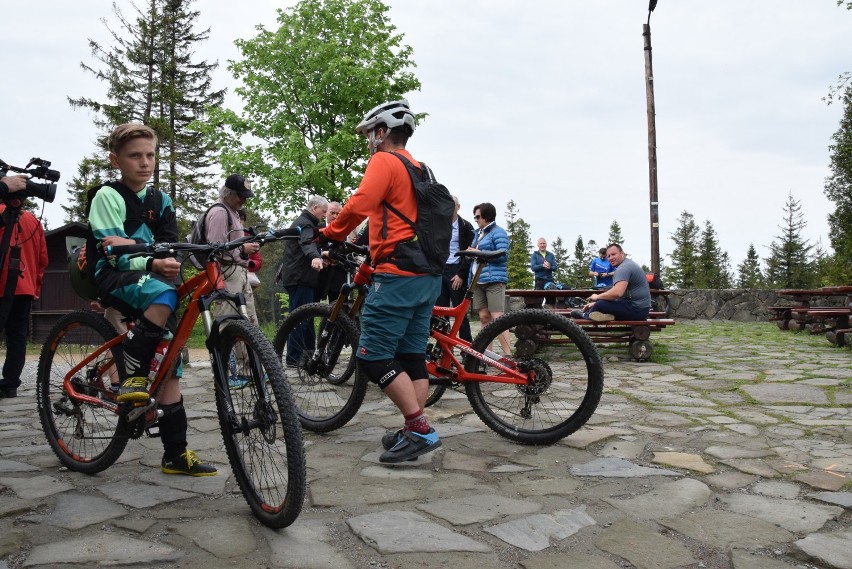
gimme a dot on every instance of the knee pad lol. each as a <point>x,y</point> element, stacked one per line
<point>381,372</point>
<point>414,365</point>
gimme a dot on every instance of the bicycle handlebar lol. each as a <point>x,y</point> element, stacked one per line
<point>169,249</point>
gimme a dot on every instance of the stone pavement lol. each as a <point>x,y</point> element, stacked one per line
<point>733,450</point>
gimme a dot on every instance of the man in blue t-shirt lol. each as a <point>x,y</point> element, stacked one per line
<point>602,270</point>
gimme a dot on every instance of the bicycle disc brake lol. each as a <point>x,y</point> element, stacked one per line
<point>540,376</point>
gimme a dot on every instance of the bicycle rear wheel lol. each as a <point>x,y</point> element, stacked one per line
<point>260,428</point>
<point>566,380</point>
<point>86,437</point>
<point>313,364</point>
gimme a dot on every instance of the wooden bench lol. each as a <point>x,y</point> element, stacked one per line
<point>635,333</point>
<point>828,320</point>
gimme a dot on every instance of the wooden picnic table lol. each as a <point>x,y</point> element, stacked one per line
<point>636,334</point>
<point>833,321</point>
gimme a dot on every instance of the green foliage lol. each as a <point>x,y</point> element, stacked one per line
<point>562,274</point>
<point>520,245</point>
<point>91,171</point>
<point>304,88</point>
<point>749,272</point>
<point>789,262</point>
<point>615,235</point>
<point>151,78</point>
<point>713,270</point>
<point>838,189</point>
<point>684,267</point>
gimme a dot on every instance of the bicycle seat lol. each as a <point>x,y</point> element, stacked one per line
<point>481,255</point>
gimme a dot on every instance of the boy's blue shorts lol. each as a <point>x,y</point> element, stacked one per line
<point>396,315</point>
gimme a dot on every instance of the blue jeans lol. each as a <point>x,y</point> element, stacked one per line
<point>302,336</point>
<point>621,309</point>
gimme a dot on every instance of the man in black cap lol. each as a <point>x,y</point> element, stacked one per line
<point>223,224</point>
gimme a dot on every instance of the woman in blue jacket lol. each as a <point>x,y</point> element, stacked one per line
<point>489,294</point>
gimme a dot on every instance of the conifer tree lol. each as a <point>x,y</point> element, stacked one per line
<point>563,261</point>
<point>615,234</point>
<point>838,189</point>
<point>749,272</point>
<point>91,171</point>
<point>520,245</point>
<point>152,78</point>
<point>684,266</point>
<point>713,270</point>
<point>789,262</point>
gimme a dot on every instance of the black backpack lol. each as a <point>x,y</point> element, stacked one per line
<point>428,251</point>
<point>137,213</point>
<point>198,234</point>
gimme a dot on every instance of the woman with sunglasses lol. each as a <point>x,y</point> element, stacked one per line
<point>489,294</point>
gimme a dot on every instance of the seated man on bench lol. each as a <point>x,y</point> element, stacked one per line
<point>628,299</point>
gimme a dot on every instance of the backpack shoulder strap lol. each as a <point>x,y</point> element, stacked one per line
<point>386,206</point>
<point>203,222</point>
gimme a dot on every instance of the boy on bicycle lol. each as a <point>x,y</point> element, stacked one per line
<point>395,321</point>
<point>126,212</point>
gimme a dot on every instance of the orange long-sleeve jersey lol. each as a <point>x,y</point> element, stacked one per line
<point>386,179</point>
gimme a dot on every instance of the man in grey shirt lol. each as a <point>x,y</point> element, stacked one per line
<point>628,299</point>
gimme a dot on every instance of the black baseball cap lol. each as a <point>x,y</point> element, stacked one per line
<point>239,184</point>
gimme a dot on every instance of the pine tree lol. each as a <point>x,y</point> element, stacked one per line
<point>749,272</point>
<point>151,78</point>
<point>713,270</point>
<point>838,189</point>
<point>615,234</point>
<point>684,267</point>
<point>520,245</point>
<point>91,171</point>
<point>590,252</point>
<point>563,261</point>
<point>579,262</point>
<point>789,263</point>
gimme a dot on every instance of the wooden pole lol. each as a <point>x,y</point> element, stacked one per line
<point>652,152</point>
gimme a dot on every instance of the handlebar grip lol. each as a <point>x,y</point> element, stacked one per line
<point>287,232</point>
<point>129,249</point>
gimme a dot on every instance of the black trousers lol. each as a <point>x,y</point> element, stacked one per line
<point>450,297</point>
<point>17,329</point>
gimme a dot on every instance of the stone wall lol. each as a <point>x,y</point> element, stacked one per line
<point>745,305</point>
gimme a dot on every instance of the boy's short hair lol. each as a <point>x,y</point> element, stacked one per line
<point>124,133</point>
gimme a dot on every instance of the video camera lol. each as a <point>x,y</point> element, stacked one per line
<point>42,170</point>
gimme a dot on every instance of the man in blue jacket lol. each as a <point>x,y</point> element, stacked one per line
<point>543,265</point>
<point>602,270</point>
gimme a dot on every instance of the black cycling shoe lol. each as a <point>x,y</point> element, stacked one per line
<point>390,439</point>
<point>410,446</point>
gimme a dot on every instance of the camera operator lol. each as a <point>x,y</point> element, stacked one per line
<point>28,235</point>
<point>12,184</point>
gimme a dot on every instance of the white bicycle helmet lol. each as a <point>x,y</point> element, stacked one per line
<point>393,114</point>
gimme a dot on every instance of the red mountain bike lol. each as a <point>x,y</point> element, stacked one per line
<point>88,430</point>
<point>530,398</point>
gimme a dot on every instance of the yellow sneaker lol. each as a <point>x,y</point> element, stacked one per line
<point>133,389</point>
<point>187,463</point>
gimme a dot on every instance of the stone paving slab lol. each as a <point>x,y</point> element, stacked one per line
<point>674,469</point>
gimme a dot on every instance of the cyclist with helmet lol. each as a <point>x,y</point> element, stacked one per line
<point>395,321</point>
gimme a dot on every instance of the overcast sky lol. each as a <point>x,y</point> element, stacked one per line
<point>541,102</point>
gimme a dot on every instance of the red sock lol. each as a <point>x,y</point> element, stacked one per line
<point>417,423</point>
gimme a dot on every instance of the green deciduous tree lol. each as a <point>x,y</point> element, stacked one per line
<point>304,88</point>
<point>684,266</point>
<point>789,262</point>
<point>749,272</point>
<point>520,246</point>
<point>153,78</point>
<point>714,267</point>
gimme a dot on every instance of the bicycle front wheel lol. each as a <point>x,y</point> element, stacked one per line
<point>315,353</point>
<point>86,437</point>
<point>260,428</point>
<point>565,379</point>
